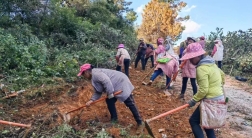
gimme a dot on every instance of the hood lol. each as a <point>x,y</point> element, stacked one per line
<point>206,60</point>
<point>167,47</point>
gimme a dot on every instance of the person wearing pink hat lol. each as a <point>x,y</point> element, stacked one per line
<point>202,42</point>
<point>168,69</point>
<point>188,71</point>
<point>109,81</point>
<point>160,51</point>
<point>123,59</point>
<point>210,80</point>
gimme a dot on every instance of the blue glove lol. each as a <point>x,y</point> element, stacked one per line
<point>192,103</point>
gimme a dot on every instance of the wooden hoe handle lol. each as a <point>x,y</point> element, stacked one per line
<point>181,66</point>
<point>14,124</point>
<point>167,113</point>
<point>101,99</point>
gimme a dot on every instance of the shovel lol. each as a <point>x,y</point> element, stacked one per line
<point>66,115</point>
<point>162,115</point>
<point>14,124</point>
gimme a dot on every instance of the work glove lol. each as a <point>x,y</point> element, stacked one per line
<point>192,103</point>
<point>89,102</point>
<point>110,96</point>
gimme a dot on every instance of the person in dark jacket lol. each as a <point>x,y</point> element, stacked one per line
<point>109,81</point>
<point>149,54</point>
<point>141,51</point>
<point>182,47</point>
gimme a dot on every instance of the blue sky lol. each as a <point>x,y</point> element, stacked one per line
<point>206,15</point>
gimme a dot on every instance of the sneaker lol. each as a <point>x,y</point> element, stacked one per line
<point>140,128</point>
<point>150,82</point>
<point>181,96</point>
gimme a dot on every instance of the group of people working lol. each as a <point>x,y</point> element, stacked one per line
<point>197,66</point>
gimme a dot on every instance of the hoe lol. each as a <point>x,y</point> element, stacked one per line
<point>147,126</point>
<point>66,115</point>
<point>14,124</point>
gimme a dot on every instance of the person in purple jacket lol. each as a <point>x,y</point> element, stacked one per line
<point>109,81</point>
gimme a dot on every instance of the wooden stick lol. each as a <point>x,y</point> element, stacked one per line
<point>14,124</point>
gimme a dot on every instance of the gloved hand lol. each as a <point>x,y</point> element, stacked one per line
<point>110,96</point>
<point>89,102</point>
<point>191,103</point>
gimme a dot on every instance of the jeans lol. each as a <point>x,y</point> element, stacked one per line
<point>219,64</point>
<point>158,72</point>
<point>152,60</point>
<point>140,57</point>
<point>126,63</point>
<point>129,102</point>
<point>184,85</point>
<point>195,125</point>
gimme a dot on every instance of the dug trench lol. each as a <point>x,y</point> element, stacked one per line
<point>44,111</point>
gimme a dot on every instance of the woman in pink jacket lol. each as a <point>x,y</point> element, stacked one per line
<point>160,51</point>
<point>189,71</point>
<point>168,68</point>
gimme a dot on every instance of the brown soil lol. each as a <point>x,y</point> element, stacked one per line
<point>45,112</point>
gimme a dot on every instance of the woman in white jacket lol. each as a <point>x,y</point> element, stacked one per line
<point>217,52</point>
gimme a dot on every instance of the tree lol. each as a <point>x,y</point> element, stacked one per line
<point>160,19</point>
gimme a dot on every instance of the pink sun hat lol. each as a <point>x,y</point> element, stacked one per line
<point>161,40</point>
<point>120,46</point>
<point>83,68</point>
<point>193,50</point>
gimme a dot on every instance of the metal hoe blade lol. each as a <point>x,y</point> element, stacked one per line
<point>66,117</point>
<point>148,128</point>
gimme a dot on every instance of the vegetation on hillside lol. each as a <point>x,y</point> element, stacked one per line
<point>237,51</point>
<point>44,39</point>
<point>43,43</point>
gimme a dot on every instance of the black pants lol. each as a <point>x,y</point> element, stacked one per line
<point>195,125</point>
<point>184,85</point>
<point>180,56</point>
<point>140,57</point>
<point>129,102</point>
<point>152,60</point>
<point>219,64</point>
<point>126,64</point>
